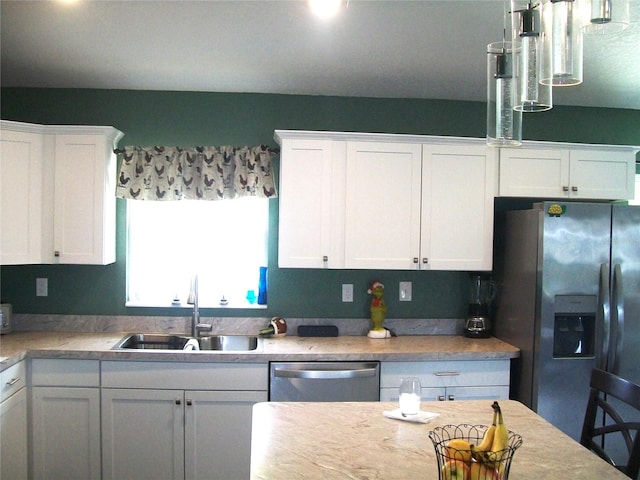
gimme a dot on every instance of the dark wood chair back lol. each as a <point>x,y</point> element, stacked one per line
<point>605,385</point>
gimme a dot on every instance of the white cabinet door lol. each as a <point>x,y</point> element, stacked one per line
<point>458,188</point>
<point>383,189</point>
<point>84,213</point>
<point>218,433</point>
<point>309,193</point>
<point>13,437</point>
<point>66,432</point>
<point>142,434</point>
<point>602,174</point>
<point>21,176</point>
<point>538,173</point>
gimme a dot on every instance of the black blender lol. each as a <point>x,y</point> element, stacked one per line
<point>482,293</point>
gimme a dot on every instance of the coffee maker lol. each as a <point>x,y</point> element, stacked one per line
<point>482,293</point>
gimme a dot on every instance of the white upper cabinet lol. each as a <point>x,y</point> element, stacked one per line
<point>311,220</point>
<point>84,198</point>
<point>375,201</point>
<point>383,191</point>
<point>419,206</point>
<point>417,202</point>
<point>458,188</point>
<point>21,196</point>
<point>593,172</point>
<point>57,190</point>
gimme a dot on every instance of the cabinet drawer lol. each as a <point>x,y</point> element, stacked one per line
<point>432,394</point>
<point>185,376</point>
<point>447,374</point>
<point>65,373</point>
<point>12,380</point>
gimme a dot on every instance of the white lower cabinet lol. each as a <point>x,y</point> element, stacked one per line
<point>448,380</point>
<point>199,428</point>
<point>65,416</point>
<point>13,424</point>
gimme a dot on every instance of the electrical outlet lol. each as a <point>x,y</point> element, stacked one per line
<point>42,287</point>
<point>347,292</point>
<point>405,291</point>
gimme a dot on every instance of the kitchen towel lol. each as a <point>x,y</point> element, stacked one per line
<point>420,417</point>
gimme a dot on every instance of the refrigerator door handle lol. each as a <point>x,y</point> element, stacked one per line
<point>604,312</point>
<point>617,319</point>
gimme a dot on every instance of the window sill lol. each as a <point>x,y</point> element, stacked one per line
<point>187,307</point>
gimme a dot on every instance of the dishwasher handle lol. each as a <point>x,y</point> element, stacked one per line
<point>317,373</point>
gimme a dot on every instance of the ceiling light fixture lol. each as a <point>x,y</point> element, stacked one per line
<point>562,42</point>
<point>504,124</point>
<point>531,95</point>
<point>324,8</point>
<point>607,17</point>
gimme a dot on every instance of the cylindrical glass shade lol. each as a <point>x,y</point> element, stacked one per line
<point>504,124</point>
<point>531,95</point>
<point>607,17</point>
<point>562,35</point>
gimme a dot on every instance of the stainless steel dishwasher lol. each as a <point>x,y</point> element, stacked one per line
<point>324,382</point>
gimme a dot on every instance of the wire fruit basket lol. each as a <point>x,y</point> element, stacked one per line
<point>466,464</point>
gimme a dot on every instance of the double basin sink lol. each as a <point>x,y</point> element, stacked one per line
<point>211,343</point>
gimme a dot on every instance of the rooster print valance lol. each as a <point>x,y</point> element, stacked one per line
<point>199,173</point>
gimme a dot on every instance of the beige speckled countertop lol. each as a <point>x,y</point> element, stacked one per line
<point>326,441</point>
<point>16,346</point>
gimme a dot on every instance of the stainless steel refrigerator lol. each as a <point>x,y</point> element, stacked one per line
<point>568,278</point>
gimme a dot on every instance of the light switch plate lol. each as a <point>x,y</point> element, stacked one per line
<point>405,291</point>
<point>42,287</point>
<point>347,292</point>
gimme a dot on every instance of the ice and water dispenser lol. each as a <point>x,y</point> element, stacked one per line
<point>574,326</point>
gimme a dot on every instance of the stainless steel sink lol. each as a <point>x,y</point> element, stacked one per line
<point>229,343</point>
<point>217,343</point>
<point>152,341</point>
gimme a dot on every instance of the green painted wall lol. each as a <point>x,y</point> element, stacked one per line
<point>194,118</point>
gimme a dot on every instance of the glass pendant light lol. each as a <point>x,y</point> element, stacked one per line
<point>607,17</point>
<point>504,124</point>
<point>562,39</point>
<point>531,95</point>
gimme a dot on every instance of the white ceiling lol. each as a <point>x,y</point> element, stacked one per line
<point>397,49</point>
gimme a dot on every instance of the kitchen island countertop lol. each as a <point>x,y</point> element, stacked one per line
<point>326,441</point>
<point>19,345</point>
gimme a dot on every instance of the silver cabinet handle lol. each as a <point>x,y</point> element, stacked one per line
<point>325,258</point>
<point>452,398</point>
<point>446,374</point>
<point>415,259</point>
<point>178,401</point>
<point>441,398</point>
<point>189,402</point>
<point>565,188</point>
<point>327,374</point>
<point>13,381</point>
<point>574,189</point>
<point>425,260</point>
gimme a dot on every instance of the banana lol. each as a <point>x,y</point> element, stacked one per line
<point>501,435</point>
<point>487,440</point>
<point>500,440</point>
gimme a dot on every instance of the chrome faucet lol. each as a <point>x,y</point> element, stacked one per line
<point>196,326</point>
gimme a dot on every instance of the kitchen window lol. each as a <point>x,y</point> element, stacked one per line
<point>223,242</point>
